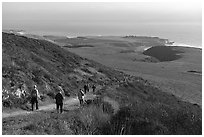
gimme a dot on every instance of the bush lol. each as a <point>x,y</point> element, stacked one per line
<point>91,119</point>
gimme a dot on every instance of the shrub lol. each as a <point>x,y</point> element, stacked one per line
<point>92,118</point>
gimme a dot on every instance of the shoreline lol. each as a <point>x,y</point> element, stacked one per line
<point>177,44</point>
<point>24,33</point>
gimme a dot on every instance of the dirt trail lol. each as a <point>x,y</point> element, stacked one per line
<point>67,103</point>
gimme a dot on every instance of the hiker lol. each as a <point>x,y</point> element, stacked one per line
<point>80,96</point>
<point>94,88</point>
<point>20,92</point>
<point>61,89</point>
<point>59,101</point>
<point>34,97</point>
<point>85,88</point>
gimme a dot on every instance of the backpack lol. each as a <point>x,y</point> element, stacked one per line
<point>34,93</point>
<point>59,98</point>
<point>82,93</point>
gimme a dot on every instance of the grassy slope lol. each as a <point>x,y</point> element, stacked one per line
<point>147,110</point>
<point>144,109</point>
<point>29,61</point>
<point>171,76</point>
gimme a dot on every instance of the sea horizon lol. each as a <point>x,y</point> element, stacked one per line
<point>181,23</point>
<point>177,42</point>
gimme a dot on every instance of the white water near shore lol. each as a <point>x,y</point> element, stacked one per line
<point>144,48</point>
<point>183,45</point>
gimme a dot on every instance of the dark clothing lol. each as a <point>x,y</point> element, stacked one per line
<point>80,97</point>
<point>93,87</point>
<point>59,98</point>
<point>59,101</point>
<point>87,86</point>
<point>85,89</point>
<point>59,106</point>
<point>34,93</point>
<point>34,100</point>
<point>81,101</point>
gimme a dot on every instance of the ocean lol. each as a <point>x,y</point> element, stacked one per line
<point>178,22</point>
<point>181,34</point>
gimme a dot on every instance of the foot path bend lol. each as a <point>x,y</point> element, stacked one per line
<point>67,103</point>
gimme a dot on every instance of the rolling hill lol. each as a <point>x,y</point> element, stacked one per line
<point>28,61</point>
<point>142,108</point>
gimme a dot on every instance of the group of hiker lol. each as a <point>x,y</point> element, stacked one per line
<point>59,97</point>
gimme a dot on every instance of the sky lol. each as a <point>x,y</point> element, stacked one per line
<point>147,18</point>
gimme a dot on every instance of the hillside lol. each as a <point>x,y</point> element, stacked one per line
<point>28,61</point>
<point>126,105</point>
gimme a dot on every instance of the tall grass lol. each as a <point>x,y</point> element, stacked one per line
<point>92,118</point>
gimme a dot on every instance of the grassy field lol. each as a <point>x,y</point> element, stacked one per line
<point>126,55</point>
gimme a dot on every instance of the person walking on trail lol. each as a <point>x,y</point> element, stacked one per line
<point>85,88</point>
<point>34,97</point>
<point>61,89</point>
<point>94,88</point>
<point>80,96</point>
<point>59,101</point>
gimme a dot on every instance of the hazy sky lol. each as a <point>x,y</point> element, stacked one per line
<point>19,14</point>
<point>96,18</point>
